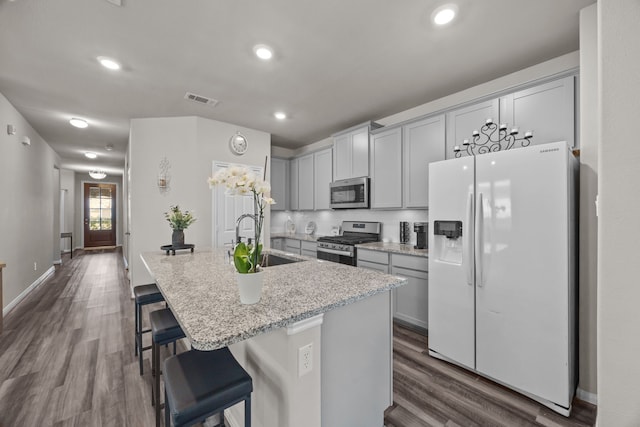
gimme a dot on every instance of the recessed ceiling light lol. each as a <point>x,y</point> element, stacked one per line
<point>90,155</point>
<point>108,63</point>
<point>108,147</point>
<point>79,123</point>
<point>263,51</point>
<point>444,14</point>
<point>280,115</point>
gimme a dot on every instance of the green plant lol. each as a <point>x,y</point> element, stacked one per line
<point>245,257</point>
<point>179,220</point>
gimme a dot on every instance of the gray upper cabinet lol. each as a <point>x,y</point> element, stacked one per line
<point>322,178</point>
<point>305,182</point>
<point>351,152</point>
<point>547,110</point>
<point>386,169</point>
<point>293,184</point>
<point>423,142</point>
<point>462,122</point>
<point>280,183</point>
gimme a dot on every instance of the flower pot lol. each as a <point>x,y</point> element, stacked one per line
<point>250,287</point>
<point>177,238</point>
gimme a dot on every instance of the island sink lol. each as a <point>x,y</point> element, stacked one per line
<point>270,260</point>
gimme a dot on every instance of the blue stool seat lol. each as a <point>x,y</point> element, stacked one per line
<point>143,294</point>
<point>164,330</point>
<point>199,384</point>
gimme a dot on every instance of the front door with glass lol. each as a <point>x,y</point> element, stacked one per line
<point>99,215</point>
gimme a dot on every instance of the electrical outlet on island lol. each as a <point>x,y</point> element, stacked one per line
<point>305,359</point>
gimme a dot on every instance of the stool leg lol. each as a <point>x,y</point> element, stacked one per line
<point>153,373</point>
<point>140,339</point>
<point>156,369</point>
<point>135,334</point>
<point>247,411</point>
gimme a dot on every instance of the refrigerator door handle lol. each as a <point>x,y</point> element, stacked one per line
<point>479,241</point>
<point>469,241</point>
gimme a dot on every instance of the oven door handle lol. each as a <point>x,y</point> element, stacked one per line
<point>335,252</point>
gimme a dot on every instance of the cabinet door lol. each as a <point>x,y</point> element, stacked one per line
<point>305,182</point>
<point>461,123</point>
<point>411,300</point>
<point>360,153</point>
<point>546,110</point>
<point>309,249</point>
<point>293,184</point>
<point>322,178</point>
<point>342,157</point>
<point>280,184</point>
<point>277,243</point>
<point>423,142</point>
<point>386,169</point>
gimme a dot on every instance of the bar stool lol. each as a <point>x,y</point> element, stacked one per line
<point>164,330</point>
<point>144,294</point>
<point>198,384</point>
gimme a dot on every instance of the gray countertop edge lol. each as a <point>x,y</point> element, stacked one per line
<point>396,248</point>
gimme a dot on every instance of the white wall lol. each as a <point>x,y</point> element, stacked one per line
<point>29,224</point>
<point>190,144</point>
<point>588,234</point>
<point>619,210</point>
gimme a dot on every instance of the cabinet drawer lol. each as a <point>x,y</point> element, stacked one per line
<point>412,262</point>
<point>406,272</point>
<point>309,246</point>
<point>306,252</point>
<point>373,266</point>
<point>373,256</point>
<point>292,243</point>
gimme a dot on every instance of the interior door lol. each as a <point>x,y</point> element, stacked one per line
<point>99,215</point>
<point>451,280</point>
<point>522,284</point>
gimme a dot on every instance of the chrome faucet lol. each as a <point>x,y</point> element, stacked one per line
<point>238,221</point>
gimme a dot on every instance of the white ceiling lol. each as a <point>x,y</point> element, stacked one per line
<point>337,62</point>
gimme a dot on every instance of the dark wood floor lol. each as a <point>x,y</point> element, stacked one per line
<point>67,359</point>
<point>431,392</point>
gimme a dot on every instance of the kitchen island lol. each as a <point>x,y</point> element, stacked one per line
<point>338,314</point>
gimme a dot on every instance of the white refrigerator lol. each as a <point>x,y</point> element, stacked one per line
<point>502,268</point>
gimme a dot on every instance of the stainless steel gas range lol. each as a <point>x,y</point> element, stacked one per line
<point>342,248</point>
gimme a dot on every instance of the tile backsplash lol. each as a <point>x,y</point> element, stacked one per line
<point>326,220</point>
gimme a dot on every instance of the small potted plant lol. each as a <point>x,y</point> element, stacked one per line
<point>246,257</point>
<point>178,221</point>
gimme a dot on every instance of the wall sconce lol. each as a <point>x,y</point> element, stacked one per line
<point>25,141</point>
<point>164,178</point>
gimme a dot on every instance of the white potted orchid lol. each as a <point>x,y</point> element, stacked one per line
<point>246,257</point>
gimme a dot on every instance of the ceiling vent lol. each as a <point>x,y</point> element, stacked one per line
<point>201,99</point>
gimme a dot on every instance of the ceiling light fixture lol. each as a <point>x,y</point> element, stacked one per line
<point>263,52</point>
<point>109,63</point>
<point>79,123</point>
<point>90,155</point>
<point>97,174</point>
<point>280,115</point>
<point>108,147</point>
<point>444,14</point>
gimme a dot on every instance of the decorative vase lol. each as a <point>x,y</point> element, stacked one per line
<point>250,287</point>
<point>177,238</point>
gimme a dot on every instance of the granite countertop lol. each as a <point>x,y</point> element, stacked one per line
<point>397,248</point>
<point>201,290</point>
<point>297,236</point>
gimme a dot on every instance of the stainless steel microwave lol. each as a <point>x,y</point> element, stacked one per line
<point>350,193</point>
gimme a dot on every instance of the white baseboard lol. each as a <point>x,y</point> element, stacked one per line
<point>57,262</point>
<point>26,292</point>
<point>587,397</point>
<point>124,259</point>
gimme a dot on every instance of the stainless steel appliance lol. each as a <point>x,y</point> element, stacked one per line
<point>342,248</point>
<point>404,232</point>
<point>349,193</point>
<point>421,229</point>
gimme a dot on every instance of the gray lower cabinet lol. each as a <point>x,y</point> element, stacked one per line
<point>308,249</point>
<point>292,246</point>
<point>373,260</point>
<point>411,300</point>
<point>277,243</point>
